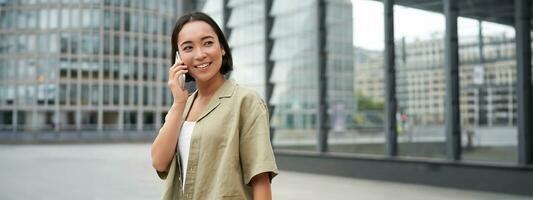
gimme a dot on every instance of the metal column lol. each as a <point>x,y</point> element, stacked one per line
<point>452,115</point>
<point>186,6</point>
<point>323,125</point>
<point>391,146</point>
<point>269,64</point>
<point>523,64</point>
<point>226,14</point>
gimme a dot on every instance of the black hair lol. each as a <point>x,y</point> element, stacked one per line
<point>227,60</point>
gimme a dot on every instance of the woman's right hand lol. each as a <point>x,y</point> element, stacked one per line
<point>179,94</point>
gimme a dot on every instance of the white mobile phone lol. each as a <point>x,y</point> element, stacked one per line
<point>181,78</point>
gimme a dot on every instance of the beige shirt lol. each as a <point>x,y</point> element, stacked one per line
<point>230,144</point>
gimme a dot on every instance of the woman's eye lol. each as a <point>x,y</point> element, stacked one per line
<point>187,48</point>
<point>208,43</point>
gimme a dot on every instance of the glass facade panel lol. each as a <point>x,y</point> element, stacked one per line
<point>74,42</point>
<point>247,43</point>
<point>54,43</point>
<point>340,73</point>
<point>126,71</point>
<point>96,43</point>
<point>75,18</point>
<point>127,21</point>
<point>154,72</point>
<point>115,94</point>
<point>295,51</point>
<point>358,125</point>
<point>214,8</point>
<point>84,94</point>
<point>32,19</point>
<point>107,94</point>
<point>95,93</point>
<point>107,19</point>
<point>63,94</point>
<point>488,104</point>
<point>54,18</point>
<point>107,44</point>
<point>127,46</point>
<point>86,44</point>
<point>116,21</point>
<point>95,18</point>
<point>86,18</point>
<point>136,97</point>
<point>73,94</point>
<point>145,95</point>
<point>116,45</point>
<point>420,82</point>
<point>43,19</point>
<point>126,95</point>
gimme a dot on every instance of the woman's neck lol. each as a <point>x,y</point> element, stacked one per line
<point>208,88</point>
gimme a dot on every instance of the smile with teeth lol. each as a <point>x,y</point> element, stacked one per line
<point>203,65</point>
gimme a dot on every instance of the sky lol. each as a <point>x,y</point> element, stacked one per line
<point>409,23</point>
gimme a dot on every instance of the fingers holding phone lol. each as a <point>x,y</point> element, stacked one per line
<point>176,80</point>
<point>181,77</point>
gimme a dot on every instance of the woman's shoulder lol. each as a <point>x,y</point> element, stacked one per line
<point>247,94</point>
<point>250,103</point>
<point>248,97</point>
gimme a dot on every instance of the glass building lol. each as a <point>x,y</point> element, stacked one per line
<point>288,56</point>
<point>296,54</point>
<point>84,65</point>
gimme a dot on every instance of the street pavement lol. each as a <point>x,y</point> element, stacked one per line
<point>123,171</point>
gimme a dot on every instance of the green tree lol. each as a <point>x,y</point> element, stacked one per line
<point>365,103</point>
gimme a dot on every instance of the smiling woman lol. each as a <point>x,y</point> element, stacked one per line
<point>216,139</point>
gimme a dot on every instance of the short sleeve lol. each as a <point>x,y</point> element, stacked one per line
<point>171,180</point>
<point>256,151</point>
<point>170,172</point>
<point>162,175</point>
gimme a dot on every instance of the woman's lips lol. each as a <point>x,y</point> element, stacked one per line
<point>203,66</point>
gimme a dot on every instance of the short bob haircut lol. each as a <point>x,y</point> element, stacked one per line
<point>227,60</point>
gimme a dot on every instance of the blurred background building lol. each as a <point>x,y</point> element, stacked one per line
<point>84,65</point>
<point>419,91</point>
<point>100,65</point>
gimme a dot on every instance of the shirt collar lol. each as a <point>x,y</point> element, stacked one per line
<point>225,91</point>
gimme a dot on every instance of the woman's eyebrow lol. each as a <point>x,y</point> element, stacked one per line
<point>203,38</point>
<point>207,37</point>
<point>186,42</point>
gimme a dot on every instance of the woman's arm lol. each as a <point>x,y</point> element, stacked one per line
<point>164,146</point>
<point>261,187</point>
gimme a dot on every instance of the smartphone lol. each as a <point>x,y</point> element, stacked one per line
<point>181,78</point>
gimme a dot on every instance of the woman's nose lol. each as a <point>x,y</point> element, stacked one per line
<point>199,54</point>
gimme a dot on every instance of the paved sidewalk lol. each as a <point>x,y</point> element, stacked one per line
<point>296,186</point>
<point>123,171</point>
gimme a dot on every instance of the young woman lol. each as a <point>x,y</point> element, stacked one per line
<point>215,143</point>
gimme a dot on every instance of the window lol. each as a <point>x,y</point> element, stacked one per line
<point>487,99</point>
<point>420,121</point>
<point>43,19</point>
<point>54,18</point>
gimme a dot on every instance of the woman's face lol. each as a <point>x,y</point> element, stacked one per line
<point>200,50</point>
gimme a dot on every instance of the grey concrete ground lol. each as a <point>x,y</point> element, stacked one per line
<point>123,171</point>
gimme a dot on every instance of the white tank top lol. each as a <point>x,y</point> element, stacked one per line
<point>184,145</point>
